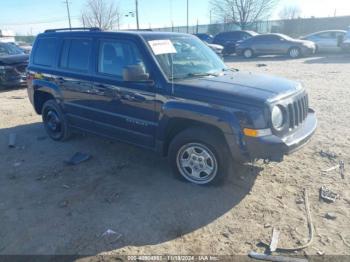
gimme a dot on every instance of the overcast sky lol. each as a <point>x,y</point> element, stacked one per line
<point>25,16</point>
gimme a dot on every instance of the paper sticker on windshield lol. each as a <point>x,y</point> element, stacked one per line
<point>160,47</point>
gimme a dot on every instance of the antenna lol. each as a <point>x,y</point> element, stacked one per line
<point>68,13</point>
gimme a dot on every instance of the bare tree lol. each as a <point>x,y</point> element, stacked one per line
<point>242,12</point>
<point>290,12</point>
<point>101,13</point>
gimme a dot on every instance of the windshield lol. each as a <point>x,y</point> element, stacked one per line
<point>189,57</point>
<point>9,49</point>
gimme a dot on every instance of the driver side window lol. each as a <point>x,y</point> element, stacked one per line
<point>115,56</point>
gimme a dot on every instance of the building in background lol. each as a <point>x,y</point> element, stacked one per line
<point>7,36</point>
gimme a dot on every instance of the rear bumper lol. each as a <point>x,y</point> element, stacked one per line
<point>274,148</point>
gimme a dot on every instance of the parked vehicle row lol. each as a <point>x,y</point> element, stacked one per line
<point>250,44</point>
<point>275,44</point>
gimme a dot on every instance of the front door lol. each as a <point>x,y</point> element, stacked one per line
<point>124,110</point>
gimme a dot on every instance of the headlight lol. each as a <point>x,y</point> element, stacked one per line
<point>277,117</point>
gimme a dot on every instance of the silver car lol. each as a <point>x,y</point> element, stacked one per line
<point>327,41</point>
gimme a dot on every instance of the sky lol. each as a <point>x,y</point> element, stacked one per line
<point>34,16</point>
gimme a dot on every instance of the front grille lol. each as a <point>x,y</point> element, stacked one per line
<point>298,111</point>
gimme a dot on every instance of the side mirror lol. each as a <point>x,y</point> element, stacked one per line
<point>135,73</point>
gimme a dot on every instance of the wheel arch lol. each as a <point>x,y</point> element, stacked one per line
<point>176,118</point>
<point>44,91</point>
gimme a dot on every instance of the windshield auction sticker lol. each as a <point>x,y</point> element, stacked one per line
<point>160,47</point>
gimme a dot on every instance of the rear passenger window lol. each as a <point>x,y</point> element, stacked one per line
<point>114,56</point>
<point>75,54</point>
<point>45,52</point>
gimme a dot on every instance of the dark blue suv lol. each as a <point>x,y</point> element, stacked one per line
<point>167,92</point>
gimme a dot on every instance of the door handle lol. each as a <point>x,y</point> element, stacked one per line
<point>133,97</point>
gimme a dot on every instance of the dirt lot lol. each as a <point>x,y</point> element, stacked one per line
<point>47,207</point>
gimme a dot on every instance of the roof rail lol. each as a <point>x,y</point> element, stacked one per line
<point>73,29</point>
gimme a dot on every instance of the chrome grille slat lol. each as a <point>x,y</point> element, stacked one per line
<point>297,111</point>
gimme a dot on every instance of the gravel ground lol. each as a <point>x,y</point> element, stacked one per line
<point>47,207</point>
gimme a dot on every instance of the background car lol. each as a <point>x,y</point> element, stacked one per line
<point>13,64</point>
<point>345,45</point>
<point>327,41</point>
<point>275,44</point>
<point>205,37</point>
<point>229,39</point>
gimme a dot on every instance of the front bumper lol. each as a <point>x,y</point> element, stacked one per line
<point>12,80</point>
<point>308,50</point>
<point>274,148</point>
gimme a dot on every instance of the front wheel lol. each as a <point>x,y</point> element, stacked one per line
<point>199,156</point>
<point>294,52</point>
<point>248,53</point>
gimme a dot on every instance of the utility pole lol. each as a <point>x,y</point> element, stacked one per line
<point>187,29</point>
<point>137,14</point>
<point>68,12</point>
<point>210,16</point>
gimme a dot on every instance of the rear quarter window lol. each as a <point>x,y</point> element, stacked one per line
<point>45,53</point>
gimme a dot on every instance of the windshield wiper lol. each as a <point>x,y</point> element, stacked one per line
<point>201,74</point>
<point>189,75</point>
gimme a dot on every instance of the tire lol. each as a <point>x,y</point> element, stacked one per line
<point>248,53</point>
<point>294,52</point>
<point>55,122</point>
<point>199,156</point>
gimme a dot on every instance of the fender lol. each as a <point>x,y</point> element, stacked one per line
<point>222,118</point>
<point>48,87</point>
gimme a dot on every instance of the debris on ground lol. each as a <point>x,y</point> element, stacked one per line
<point>16,97</point>
<point>12,140</point>
<point>310,227</point>
<point>78,158</point>
<point>331,215</point>
<point>274,240</point>
<point>340,166</point>
<point>108,232</point>
<point>66,186</point>
<point>328,155</point>
<point>110,236</point>
<point>267,225</point>
<point>327,195</point>
<point>261,65</point>
<point>273,258</point>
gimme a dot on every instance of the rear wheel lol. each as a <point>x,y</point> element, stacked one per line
<point>248,53</point>
<point>294,52</point>
<point>55,121</point>
<point>199,156</point>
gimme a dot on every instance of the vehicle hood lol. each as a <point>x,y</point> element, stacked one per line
<point>240,87</point>
<point>14,59</point>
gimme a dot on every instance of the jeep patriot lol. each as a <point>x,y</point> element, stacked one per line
<point>167,92</point>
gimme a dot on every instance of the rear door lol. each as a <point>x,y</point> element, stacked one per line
<point>74,77</point>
